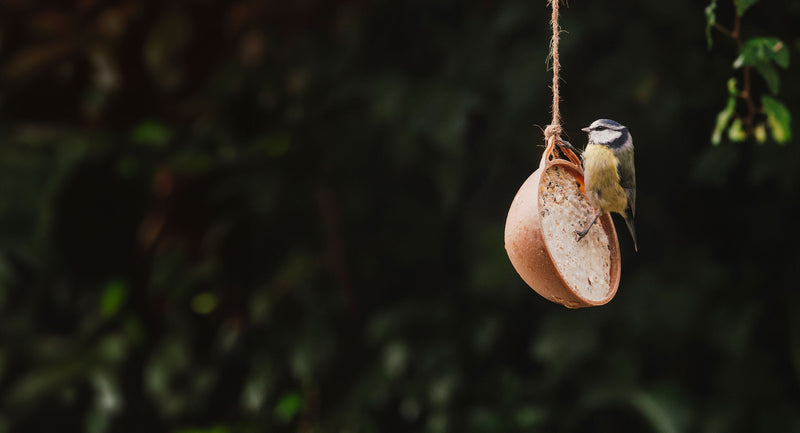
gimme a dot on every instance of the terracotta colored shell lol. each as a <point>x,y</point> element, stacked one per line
<point>526,246</point>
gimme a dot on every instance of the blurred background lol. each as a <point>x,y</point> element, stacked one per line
<point>257,215</point>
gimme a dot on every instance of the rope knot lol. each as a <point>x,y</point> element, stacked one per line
<point>552,131</point>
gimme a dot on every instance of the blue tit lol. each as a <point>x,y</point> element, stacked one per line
<point>609,173</point>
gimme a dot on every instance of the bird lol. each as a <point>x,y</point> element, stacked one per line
<point>609,172</point>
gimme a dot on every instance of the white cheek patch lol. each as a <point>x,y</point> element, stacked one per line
<point>606,136</point>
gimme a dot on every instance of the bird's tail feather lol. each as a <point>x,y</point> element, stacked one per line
<point>629,223</point>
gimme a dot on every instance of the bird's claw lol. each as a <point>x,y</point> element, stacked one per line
<point>567,144</point>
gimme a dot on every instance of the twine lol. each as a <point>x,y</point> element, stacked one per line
<point>554,128</point>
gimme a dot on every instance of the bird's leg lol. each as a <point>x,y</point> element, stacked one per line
<point>568,145</point>
<point>582,233</point>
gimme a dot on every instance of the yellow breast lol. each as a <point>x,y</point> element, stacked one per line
<point>602,180</point>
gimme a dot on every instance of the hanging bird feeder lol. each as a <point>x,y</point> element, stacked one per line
<point>548,209</point>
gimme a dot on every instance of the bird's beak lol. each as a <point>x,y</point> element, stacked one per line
<point>585,129</point>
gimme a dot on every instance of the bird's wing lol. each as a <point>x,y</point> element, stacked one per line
<point>631,193</point>
<point>627,178</point>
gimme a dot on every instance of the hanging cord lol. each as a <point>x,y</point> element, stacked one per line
<point>552,134</point>
<point>554,128</point>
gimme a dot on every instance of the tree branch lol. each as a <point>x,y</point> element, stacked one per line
<point>722,29</point>
<point>746,94</point>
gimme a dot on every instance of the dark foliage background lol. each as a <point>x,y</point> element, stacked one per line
<point>288,216</point>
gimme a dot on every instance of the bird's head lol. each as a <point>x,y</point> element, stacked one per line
<point>609,133</point>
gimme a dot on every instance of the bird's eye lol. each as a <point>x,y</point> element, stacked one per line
<point>601,128</point>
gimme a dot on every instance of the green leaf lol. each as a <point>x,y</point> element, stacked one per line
<point>113,297</point>
<point>288,406</point>
<point>760,53</point>
<point>711,19</point>
<point>770,75</point>
<point>779,119</point>
<point>760,132</point>
<point>529,417</point>
<point>725,115</point>
<point>655,411</point>
<point>151,133</point>
<point>40,382</point>
<point>204,303</point>
<point>743,5</point>
<point>756,51</point>
<point>781,54</point>
<point>732,90</point>
<point>736,131</point>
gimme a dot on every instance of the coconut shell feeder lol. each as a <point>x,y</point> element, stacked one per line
<point>550,206</point>
<point>541,242</point>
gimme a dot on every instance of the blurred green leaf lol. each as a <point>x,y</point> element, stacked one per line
<point>97,421</point>
<point>112,348</point>
<point>770,75</point>
<point>562,343</point>
<point>441,390</point>
<point>169,362</point>
<point>529,417</point>
<point>760,133</point>
<point>779,119</point>
<point>44,380</point>
<point>761,53</point>
<point>655,412</point>
<point>204,303</point>
<point>289,405</point>
<point>761,50</point>
<point>711,19</point>
<point>437,423</point>
<point>732,87</point>
<point>133,329</point>
<point>723,118</point>
<point>410,409</point>
<point>395,358</point>
<point>736,131</point>
<point>151,133</point>
<point>108,398</point>
<point>114,296</point>
<point>127,167</point>
<point>780,54</point>
<point>258,385</point>
<point>165,42</point>
<point>743,5</point>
